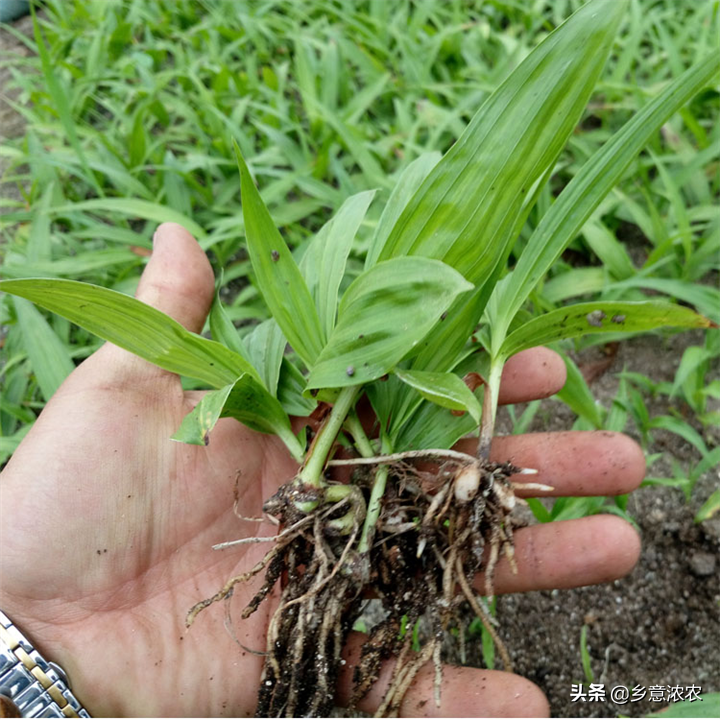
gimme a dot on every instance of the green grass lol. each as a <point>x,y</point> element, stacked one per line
<point>132,107</point>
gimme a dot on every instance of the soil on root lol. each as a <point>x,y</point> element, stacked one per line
<point>434,533</point>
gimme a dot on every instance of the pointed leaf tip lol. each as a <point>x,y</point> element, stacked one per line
<point>277,274</point>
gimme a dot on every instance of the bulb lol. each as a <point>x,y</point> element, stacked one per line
<point>467,482</point>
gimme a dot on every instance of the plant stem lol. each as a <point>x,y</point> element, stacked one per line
<point>489,410</point>
<point>355,428</point>
<point>374,504</point>
<point>438,454</point>
<point>311,472</point>
<point>292,443</point>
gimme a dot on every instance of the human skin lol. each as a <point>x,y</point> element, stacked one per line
<point>107,528</point>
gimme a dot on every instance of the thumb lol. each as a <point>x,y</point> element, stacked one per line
<point>178,280</point>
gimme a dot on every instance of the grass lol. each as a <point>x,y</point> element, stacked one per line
<point>132,107</point>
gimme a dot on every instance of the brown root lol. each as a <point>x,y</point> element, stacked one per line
<point>434,534</point>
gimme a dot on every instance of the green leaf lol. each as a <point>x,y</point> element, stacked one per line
<point>291,385</point>
<point>579,199</point>
<point>48,356</point>
<point>522,424</point>
<point>133,208</point>
<point>245,400</point>
<point>323,265</point>
<point>406,186</point>
<point>136,327</point>
<point>678,206</point>
<point>75,265</point>
<point>709,508</point>
<point>585,655</point>
<point>680,483</point>
<point>265,347</point>
<point>222,328</point>
<point>444,389</point>
<point>692,359</point>
<point>596,317</point>
<point>708,706</point>
<point>444,347</point>
<point>433,426</point>
<point>196,425</point>
<point>571,508</point>
<point>681,428</point>
<point>39,246</point>
<point>60,97</point>
<point>441,348</point>
<point>574,282</point>
<point>705,298</point>
<point>465,211</point>
<point>617,417</point>
<point>137,142</point>
<point>712,390</point>
<point>17,412</point>
<point>277,275</point>
<point>541,513</point>
<point>382,317</point>
<point>357,146</point>
<point>611,252</point>
<point>577,395</point>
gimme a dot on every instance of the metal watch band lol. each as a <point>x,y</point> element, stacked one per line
<point>35,686</point>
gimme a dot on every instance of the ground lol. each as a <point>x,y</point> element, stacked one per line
<point>658,626</point>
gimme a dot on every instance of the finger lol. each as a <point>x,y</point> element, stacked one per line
<point>532,374</point>
<point>465,692</point>
<point>567,554</point>
<point>178,280</point>
<point>572,463</point>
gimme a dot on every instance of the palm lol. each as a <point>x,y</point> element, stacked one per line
<point>108,543</point>
<point>140,552</point>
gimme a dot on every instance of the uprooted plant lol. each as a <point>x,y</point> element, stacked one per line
<point>434,304</point>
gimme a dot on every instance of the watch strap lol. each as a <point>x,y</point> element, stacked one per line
<point>37,688</point>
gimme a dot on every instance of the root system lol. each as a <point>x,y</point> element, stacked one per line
<point>434,533</point>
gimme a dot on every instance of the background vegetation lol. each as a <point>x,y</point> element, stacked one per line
<point>131,107</point>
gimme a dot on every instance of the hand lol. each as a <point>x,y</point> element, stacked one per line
<point>108,524</point>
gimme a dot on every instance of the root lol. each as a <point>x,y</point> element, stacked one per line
<point>485,618</point>
<point>432,536</point>
<point>395,694</point>
<point>227,589</point>
<point>264,538</point>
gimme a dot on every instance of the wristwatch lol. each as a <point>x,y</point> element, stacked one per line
<point>30,686</point>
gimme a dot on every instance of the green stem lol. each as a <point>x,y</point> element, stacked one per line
<point>311,473</point>
<point>375,503</point>
<point>292,444</point>
<point>355,428</point>
<point>490,405</point>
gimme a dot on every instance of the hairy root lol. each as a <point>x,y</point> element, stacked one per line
<point>434,534</point>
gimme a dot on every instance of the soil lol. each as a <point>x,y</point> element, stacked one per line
<point>658,626</point>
